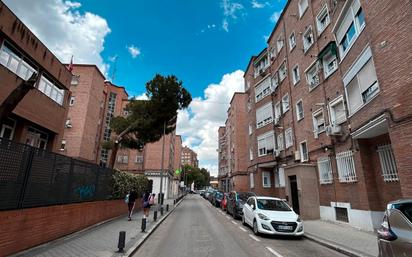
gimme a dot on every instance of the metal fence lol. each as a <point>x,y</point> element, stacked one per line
<point>31,177</point>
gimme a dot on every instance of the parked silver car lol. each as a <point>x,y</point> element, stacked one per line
<point>395,234</point>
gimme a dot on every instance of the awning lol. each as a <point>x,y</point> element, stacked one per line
<point>373,128</point>
<point>330,47</point>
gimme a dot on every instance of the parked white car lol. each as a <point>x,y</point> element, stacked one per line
<point>272,216</point>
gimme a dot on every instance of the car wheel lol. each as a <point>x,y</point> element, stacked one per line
<point>243,220</point>
<point>255,228</point>
<point>234,214</point>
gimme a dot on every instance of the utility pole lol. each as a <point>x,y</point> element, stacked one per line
<point>161,166</point>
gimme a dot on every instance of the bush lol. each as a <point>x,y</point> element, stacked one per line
<point>125,181</point>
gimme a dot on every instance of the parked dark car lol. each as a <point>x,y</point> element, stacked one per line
<point>395,234</point>
<point>217,198</point>
<point>235,202</point>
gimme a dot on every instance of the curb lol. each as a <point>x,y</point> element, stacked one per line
<point>335,247</point>
<point>140,242</point>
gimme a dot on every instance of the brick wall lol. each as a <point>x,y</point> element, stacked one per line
<point>26,228</point>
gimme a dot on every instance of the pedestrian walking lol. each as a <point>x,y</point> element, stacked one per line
<point>146,204</point>
<point>131,199</point>
<point>152,200</point>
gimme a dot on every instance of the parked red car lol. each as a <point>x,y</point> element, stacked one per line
<point>223,204</point>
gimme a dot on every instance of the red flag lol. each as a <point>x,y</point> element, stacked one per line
<point>70,68</point>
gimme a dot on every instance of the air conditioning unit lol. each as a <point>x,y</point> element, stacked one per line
<point>297,156</point>
<point>334,130</point>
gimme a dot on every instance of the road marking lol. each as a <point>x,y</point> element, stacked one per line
<point>254,238</point>
<point>227,217</point>
<point>234,222</point>
<point>273,251</point>
<point>243,229</point>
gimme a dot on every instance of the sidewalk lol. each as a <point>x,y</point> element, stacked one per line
<point>342,237</point>
<point>101,240</point>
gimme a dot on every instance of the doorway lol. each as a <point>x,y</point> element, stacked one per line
<point>294,193</point>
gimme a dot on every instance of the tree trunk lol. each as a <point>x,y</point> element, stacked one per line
<point>113,154</point>
<point>14,98</point>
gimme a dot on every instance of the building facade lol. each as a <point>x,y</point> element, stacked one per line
<point>233,153</point>
<point>189,157</point>
<point>328,105</point>
<point>84,124</point>
<point>39,118</point>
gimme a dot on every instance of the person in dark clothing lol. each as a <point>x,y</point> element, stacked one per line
<point>146,204</point>
<point>131,202</point>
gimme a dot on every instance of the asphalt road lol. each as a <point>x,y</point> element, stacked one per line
<point>197,229</point>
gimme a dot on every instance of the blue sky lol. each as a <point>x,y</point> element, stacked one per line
<point>205,43</point>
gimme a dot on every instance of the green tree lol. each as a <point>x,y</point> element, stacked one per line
<point>200,176</point>
<point>149,119</point>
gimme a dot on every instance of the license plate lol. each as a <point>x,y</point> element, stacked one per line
<point>285,227</point>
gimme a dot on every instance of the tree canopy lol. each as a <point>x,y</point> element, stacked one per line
<point>200,176</point>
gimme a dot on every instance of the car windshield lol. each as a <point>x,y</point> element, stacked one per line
<point>244,196</point>
<point>272,205</point>
<point>219,195</point>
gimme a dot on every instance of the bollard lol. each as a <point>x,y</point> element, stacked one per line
<point>155,215</point>
<point>174,202</point>
<point>122,239</point>
<point>167,207</point>
<point>161,210</point>
<point>143,225</point>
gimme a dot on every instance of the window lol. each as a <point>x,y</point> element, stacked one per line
<point>322,19</point>
<point>361,83</point>
<point>262,90</point>
<point>307,39</point>
<point>304,157</point>
<point>250,129</point>
<point>337,111</point>
<point>139,159</point>
<point>288,138</point>
<point>346,167</point>
<point>330,64</point>
<point>349,27</point>
<point>266,179</point>
<point>252,180</point>
<point>292,41</point>
<point>123,159</point>
<point>312,76</point>
<point>280,142</point>
<point>275,81</point>
<point>272,53</point>
<point>36,138</point>
<point>264,115</point>
<point>51,90</point>
<point>279,43</point>
<point>7,129</point>
<point>388,164</point>
<point>282,71</point>
<point>15,62</point>
<point>280,178</point>
<point>250,154</point>
<point>285,103</point>
<point>261,65</point>
<point>302,5</point>
<point>325,170</point>
<point>63,145</point>
<point>295,74</point>
<point>318,122</point>
<point>266,143</point>
<point>72,98</point>
<point>299,110</point>
<point>278,112</point>
<point>75,80</point>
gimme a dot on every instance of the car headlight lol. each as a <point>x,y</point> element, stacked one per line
<point>298,220</point>
<point>263,216</point>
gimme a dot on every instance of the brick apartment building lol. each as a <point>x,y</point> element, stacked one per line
<point>329,109</point>
<point>84,125</point>
<point>38,120</point>
<point>233,153</point>
<point>189,157</point>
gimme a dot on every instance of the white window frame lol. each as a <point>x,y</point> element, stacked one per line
<point>280,142</point>
<point>278,112</point>
<point>12,128</point>
<point>280,43</point>
<point>325,170</point>
<point>285,104</point>
<point>275,81</point>
<point>264,142</point>
<point>334,119</point>
<point>324,13</point>
<point>288,138</point>
<point>302,9</point>
<point>262,117</point>
<point>51,90</point>
<point>282,71</point>
<point>247,85</point>
<point>302,156</point>
<point>280,178</point>
<point>266,174</point>
<point>292,41</point>
<point>296,74</point>
<point>252,180</point>
<point>319,112</point>
<point>298,112</point>
<point>328,59</point>
<point>388,163</point>
<point>250,129</point>
<point>251,154</point>
<point>312,76</point>
<point>346,167</point>
<point>306,45</point>
<point>139,159</point>
<point>10,54</point>
<point>263,89</point>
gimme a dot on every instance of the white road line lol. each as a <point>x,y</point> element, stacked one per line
<point>254,238</point>
<point>234,222</point>
<point>227,217</point>
<point>243,229</point>
<point>273,251</point>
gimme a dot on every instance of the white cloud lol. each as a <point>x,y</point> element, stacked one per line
<point>275,16</point>
<point>266,37</point>
<point>259,5</point>
<point>199,124</point>
<point>231,12</point>
<point>134,51</point>
<point>65,30</point>
<point>142,96</point>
